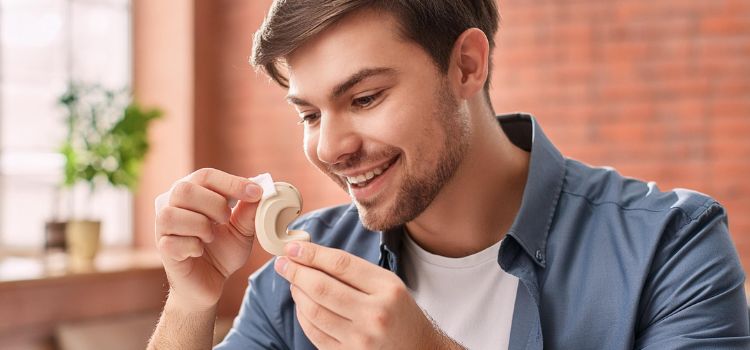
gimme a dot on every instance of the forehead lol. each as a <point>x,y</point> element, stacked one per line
<point>361,40</point>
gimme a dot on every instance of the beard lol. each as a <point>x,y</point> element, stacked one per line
<point>422,182</point>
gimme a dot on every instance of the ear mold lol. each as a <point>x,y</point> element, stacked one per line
<point>274,214</point>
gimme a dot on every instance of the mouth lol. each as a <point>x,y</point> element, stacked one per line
<point>364,179</point>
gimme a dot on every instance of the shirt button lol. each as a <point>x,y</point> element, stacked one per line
<point>539,256</point>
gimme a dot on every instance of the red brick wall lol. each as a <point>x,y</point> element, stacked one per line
<point>659,90</point>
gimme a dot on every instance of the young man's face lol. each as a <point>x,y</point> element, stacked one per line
<point>380,119</point>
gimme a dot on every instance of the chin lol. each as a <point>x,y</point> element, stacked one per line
<point>375,220</point>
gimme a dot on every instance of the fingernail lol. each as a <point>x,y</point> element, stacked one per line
<point>253,191</point>
<point>293,249</point>
<point>281,263</point>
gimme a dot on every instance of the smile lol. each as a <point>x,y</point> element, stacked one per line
<point>362,180</point>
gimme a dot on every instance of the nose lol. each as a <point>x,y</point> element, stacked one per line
<point>337,140</point>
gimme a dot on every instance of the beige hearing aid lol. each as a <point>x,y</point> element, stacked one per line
<point>274,215</point>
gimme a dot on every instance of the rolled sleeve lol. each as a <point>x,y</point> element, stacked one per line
<point>694,296</point>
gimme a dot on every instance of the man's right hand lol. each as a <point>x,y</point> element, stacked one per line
<point>201,239</point>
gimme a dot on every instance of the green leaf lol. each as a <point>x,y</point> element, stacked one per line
<point>106,137</point>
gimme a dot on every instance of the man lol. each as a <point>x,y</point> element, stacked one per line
<point>466,230</point>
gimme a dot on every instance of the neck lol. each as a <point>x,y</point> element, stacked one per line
<point>477,206</point>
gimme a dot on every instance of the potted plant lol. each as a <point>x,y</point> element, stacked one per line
<point>106,142</point>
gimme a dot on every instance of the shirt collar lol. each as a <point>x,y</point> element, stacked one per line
<point>543,186</point>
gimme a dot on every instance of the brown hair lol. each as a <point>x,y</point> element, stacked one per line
<point>432,24</point>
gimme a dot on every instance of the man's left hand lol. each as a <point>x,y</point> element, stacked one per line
<point>346,302</point>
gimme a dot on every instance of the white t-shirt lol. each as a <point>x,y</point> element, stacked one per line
<point>471,298</point>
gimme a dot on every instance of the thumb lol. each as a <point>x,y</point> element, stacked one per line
<point>243,218</point>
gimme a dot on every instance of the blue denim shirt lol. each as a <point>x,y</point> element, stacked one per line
<point>603,261</point>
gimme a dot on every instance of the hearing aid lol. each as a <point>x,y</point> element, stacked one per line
<point>274,214</point>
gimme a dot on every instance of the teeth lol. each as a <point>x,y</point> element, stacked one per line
<point>367,176</point>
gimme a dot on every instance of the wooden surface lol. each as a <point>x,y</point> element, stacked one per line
<point>38,293</point>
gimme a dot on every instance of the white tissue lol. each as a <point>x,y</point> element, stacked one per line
<point>265,181</point>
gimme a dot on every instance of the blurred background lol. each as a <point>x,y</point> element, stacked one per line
<point>660,90</point>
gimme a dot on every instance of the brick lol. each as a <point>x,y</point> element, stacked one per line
<point>714,66</point>
<point>729,106</point>
<point>657,10</point>
<point>673,107</point>
<point>623,91</point>
<point>736,6</point>
<point>627,51</point>
<point>647,30</point>
<point>733,85</point>
<point>725,25</point>
<point>721,148</point>
<point>730,128</point>
<point>721,47</point>
<point>665,68</point>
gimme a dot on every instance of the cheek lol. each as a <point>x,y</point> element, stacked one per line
<point>409,123</point>
<point>397,124</point>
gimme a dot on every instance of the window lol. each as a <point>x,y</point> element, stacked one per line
<point>43,45</point>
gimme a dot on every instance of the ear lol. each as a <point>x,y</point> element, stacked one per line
<point>469,63</point>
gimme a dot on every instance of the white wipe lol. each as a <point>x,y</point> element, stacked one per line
<point>265,182</point>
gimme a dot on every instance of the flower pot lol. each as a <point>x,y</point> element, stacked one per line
<point>82,240</point>
<point>54,235</point>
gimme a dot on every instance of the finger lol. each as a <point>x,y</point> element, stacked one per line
<point>345,267</point>
<point>161,201</point>
<point>179,248</point>
<point>242,218</point>
<point>227,185</point>
<point>325,320</point>
<point>190,196</point>
<point>182,222</point>
<point>323,289</point>
<point>320,339</point>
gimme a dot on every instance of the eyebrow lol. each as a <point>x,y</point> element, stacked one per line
<point>346,85</point>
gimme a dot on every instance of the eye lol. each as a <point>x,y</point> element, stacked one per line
<point>309,118</point>
<point>366,101</point>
